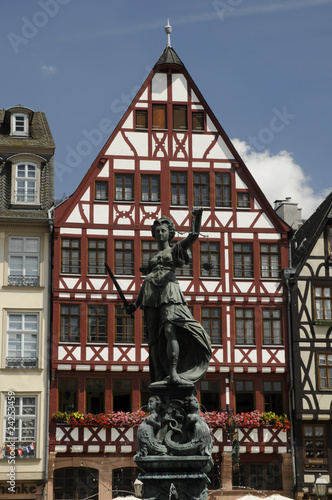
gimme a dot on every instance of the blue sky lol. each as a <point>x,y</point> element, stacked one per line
<point>253,60</point>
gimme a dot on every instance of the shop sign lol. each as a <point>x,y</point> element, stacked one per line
<point>18,489</point>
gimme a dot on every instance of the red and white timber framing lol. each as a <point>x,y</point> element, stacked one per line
<point>159,152</point>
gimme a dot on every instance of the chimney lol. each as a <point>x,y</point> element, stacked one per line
<point>289,212</point>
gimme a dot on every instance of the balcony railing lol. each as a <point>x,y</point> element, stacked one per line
<point>23,280</point>
<point>21,362</point>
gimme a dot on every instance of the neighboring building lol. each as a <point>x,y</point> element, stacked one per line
<point>26,195</point>
<point>310,282</point>
<point>167,154</point>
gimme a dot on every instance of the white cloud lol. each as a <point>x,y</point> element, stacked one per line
<point>48,70</point>
<point>279,177</point>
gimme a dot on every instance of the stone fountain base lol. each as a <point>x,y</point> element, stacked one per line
<point>174,445</point>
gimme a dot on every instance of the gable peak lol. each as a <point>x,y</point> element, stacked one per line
<point>169,56</point>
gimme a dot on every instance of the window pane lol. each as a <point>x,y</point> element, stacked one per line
<point>70,255</point>
<point>31,264</point>
<point>201,189</point>
<point>124,325</point>
<point>26,183</point>
<point>243,200</point>
<point>179,188</point>
<point>223,190</point>
<point>101,190</point>
<point>211,322</point>
<point>244,326</point>
<point>323,303</point>
<point>97,323</point>
<point>150,188</point>
<point>243,260</point>
<point>124,187</point>
<point>210,259</point>
<point>69,323</point>
<point>198,121</point>
<point>25,426</point>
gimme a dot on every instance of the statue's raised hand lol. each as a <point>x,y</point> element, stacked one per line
<point>197,211</point>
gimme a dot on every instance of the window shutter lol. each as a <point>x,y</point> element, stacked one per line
<point>159,116</point>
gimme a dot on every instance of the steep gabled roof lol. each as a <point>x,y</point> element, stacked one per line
<point>170,60</point>
<point>306,237</point>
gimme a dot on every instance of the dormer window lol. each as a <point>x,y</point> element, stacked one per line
<point>25,180</point>
<point>26,183</point>
<point>19,124</point>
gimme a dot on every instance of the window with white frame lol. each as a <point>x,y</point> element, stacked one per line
<point>22,340</point>
<point>26,183</point>
<point>23,261</point>
<point>20,426</point>
<point>19,124</point>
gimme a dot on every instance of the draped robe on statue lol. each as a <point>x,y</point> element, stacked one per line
<point>162,301</point>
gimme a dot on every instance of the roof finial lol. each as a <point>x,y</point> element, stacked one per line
<point>168,30</point>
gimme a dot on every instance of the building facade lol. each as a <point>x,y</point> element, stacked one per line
<point>310,284</point>
<point>167,155</point>
<point>26,187</point>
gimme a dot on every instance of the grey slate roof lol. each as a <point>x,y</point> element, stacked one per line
<point>39,142</point>
<point>169,56</point>
<point>305,238</point>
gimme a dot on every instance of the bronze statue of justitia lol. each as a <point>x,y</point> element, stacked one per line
<point>179,347</point>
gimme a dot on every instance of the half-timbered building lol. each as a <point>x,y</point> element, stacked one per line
<point>310,284</point>
<point>26,196</point>
<point>168,154</point>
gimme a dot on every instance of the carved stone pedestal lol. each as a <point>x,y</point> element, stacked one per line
<point>174,445</point>
<point>174,486</point>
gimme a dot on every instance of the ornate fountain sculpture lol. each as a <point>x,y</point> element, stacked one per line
<point>174,441</point>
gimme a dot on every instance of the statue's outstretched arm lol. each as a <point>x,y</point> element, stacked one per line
<point>195,229</point>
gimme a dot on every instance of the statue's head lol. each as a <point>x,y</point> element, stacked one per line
<point>192,403</point>
<point>154,403</point>
<point>168,223</point>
